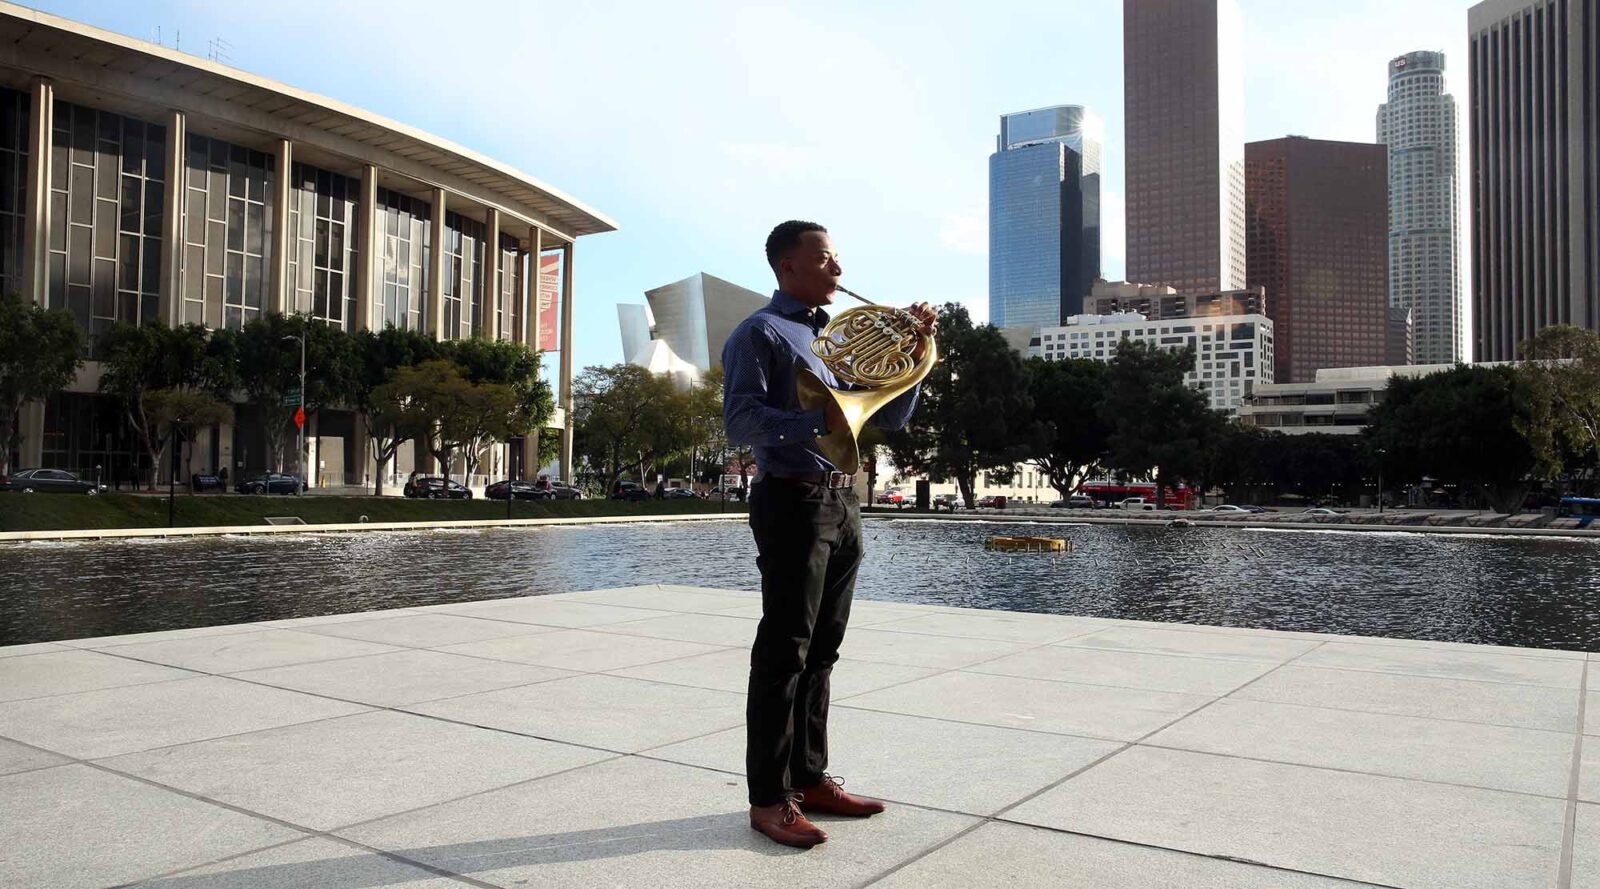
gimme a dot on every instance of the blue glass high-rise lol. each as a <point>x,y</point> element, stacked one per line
<point>1044,215</point>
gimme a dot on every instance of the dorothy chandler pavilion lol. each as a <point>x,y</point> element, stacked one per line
<point>139,183</point>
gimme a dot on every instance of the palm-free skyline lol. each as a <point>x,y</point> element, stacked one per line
<point>698,128</point>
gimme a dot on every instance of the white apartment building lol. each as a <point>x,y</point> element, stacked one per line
<point>1233,353</point>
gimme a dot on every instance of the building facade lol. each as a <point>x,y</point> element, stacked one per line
<point>1335,402</point>
<point>1319,224</point>
<point>1233,353</point>
<point>1165,303</point>
<point>1044,214</point>
<point>1401,346</point>
<point>1534,85</point>
<point>683,325</point>
<point>146,185</point>
<point>1418,126</point>
<point>1183,76</point>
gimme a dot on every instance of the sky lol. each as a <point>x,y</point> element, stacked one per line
<point>698,126</point>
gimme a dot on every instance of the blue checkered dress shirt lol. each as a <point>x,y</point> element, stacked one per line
<point>759,404</point>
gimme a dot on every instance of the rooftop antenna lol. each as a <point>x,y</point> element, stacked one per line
<point>219,51</point>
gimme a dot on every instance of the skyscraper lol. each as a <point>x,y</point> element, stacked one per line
<point>1418,124</point>
<point>1319,231</point>
<point>1044,215</point>
<point>1534,85</point>
<point>1183,76</point>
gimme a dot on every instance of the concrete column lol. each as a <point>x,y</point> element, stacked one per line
<point>367,280</point>
<point>35,259</point>
<point>436,272</point>
<point>280,293</point>
<point>530,290</point>
<point>31,425</point>
<point>492,321</point>
<point>171,285</point>
<point>566,361</point>
<point>361,445</point>
<point>530,335</point>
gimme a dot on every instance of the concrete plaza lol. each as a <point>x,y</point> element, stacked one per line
<point>595,739</point>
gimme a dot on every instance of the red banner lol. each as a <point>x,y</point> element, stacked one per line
<point>549,309</point>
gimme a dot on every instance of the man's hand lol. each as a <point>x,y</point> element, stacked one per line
<point>929,320</point>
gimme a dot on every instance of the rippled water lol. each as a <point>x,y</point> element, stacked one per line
<point>1488,589</point>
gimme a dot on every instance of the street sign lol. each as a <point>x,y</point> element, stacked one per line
<point>299,418</point>
<point>291,397</point>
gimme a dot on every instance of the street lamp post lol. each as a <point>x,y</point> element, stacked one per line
<point>1381,452</point>
<point>300,455</point>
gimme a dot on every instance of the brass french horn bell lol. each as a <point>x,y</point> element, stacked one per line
<point>869,347</point>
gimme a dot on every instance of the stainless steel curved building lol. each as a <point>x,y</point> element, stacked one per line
<point>140,183</point>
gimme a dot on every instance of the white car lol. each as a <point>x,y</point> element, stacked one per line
<point>1137,503</point>
<point>1227,507</point>
<point>1320,510</point>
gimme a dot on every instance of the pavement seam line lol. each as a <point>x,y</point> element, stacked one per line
<point>1569,826</point>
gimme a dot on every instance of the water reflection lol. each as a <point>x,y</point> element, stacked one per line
<point>1480,588</point>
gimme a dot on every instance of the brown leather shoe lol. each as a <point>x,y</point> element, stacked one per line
<point>829,798</point>
<point>784,824</point>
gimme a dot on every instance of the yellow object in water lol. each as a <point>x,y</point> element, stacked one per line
<point>1028,544</point>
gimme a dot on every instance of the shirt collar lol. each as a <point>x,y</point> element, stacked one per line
<point>784,304</point>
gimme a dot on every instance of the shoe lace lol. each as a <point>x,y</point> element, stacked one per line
<point>791,807</point>
<point>832,784</point>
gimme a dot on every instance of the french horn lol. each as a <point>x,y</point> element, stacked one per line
<point>869,347</point>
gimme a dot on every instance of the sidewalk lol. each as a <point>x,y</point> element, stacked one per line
<point>595,739</point>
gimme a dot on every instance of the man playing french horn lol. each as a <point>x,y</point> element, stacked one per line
<point>798,387</point>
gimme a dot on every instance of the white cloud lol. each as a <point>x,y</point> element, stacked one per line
<point>966,233</point>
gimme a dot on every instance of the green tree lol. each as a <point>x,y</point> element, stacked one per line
<point>1461,426</point>
<point>269,363</point>
<point>390,421</point>
<point>139,360</point>
<point>1562,371</point>
<point>178,413</point>
<point>974,411</point>
<point>1158,422</point>
<point>1069,437</point>
<point>616,412</point>
<point>40,353</point>
<point>502,362</point>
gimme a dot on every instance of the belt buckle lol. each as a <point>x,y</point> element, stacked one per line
<point>838,480</point>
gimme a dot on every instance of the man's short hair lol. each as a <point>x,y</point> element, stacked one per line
<point>786,237</point>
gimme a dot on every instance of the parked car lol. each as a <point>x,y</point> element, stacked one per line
<point>1082,501</point>
<point>1137,503</point>
<point>1321,510</point>
<point>951,502</point>
<point>630,491</point>
<point>681,494</point>
<point>433,487</point>
<point>518,490</point>
<point>895,496</point>
<point>48,481</point>
<point>564,491</point>
<point>732,493</point>
<point>1227,507</point>
<point>990,502</point>
<point>270,483</point>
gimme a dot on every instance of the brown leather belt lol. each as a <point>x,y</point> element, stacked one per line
<point>823,479</point>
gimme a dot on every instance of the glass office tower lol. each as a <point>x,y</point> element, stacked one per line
<point>1044,215</point>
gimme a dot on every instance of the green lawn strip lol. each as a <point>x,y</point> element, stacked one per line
<point>58,512</point>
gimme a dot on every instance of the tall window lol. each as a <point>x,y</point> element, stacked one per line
<point>324,251</point>
<point>508,307</point>
<point>106,196</point>
<point>407,230</point>
<point>13,187</point>
<point>227,232</point>
<point>463,276</point>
